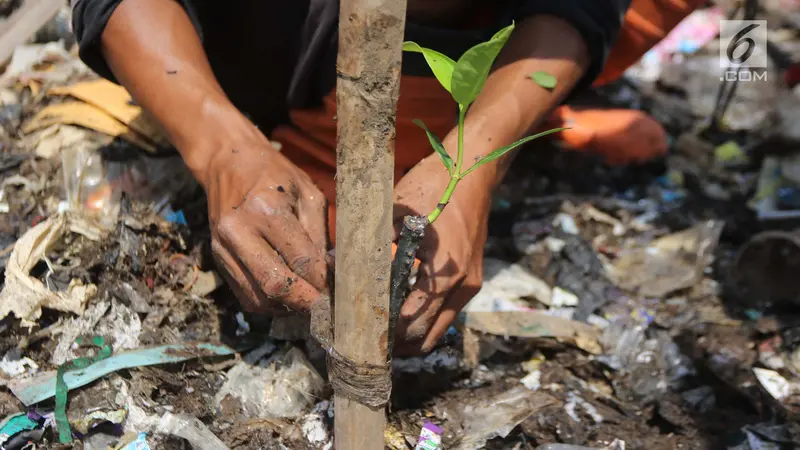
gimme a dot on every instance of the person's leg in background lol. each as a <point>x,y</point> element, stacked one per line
<point>620,135</point>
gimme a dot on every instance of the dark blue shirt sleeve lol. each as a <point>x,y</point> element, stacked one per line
<point>89,19</point>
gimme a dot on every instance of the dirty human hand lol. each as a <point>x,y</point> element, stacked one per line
<point>508,108</point>
<point>268,226</point>
<point>268,220</point>
<point>451,252</point>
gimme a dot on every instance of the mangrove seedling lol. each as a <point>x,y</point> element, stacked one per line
<point>463,79</point>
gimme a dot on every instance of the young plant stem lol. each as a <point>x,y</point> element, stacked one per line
<point>455,175</point>
<point>462,114</point>
<point>448,192</point>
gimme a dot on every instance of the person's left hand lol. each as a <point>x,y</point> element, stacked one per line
<point>451,252</point>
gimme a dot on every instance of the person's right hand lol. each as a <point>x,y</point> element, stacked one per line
<point>268,225</point>
<point>268,220</point>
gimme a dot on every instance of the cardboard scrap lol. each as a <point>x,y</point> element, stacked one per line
<point>669,263</point>
<point>202,283</point>
<point>532,324</point>
<point>23,295</point>
<point>85,115</point>
<point>116,102</point>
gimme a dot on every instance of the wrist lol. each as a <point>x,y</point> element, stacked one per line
<point>220,129</point>
<point>473,194</point>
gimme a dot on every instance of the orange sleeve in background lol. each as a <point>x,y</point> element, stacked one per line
<point>646,23</point>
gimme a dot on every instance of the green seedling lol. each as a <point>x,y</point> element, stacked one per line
<point>464,79</point>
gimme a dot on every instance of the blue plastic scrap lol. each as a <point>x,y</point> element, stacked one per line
<point>176,217</point>
<point>140,443</point>
<point>15,424</point>
<point>42,387</point>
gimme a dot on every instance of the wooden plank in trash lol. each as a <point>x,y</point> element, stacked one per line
<point>529,324</point>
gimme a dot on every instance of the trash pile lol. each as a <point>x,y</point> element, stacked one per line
<point>648,307</point>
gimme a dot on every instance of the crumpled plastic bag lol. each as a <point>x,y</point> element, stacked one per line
<point>282,386</point>
<point>670,263</point>
<point>23,295</point>
<point>650,359</point>
<point>499,415</point>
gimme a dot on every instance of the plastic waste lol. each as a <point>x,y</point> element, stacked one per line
<point>14,364</point>
<point>24,295</point>
<point>443,359</point>
<point>317,424</point>
<point>615,445</point>
<point>753,105</point>
<point>504,286</point>
<point>95,180</point>
<point>578,269</point>
<point>90,419</point>
<point>574,401</point>
<point>430,437</point>
<point>534,323</point>
<point>191,429</point>
<point>285,385</point>
<point>42,386</point>
<point>563,447</point>
<point>778,387</point>
<point>137,441</point>
<point>14,425</point>
<point>27,57</point>
<point>670,263</point>
<point>650,359</point>
<point>767,436</point>
<point>86,186</point>
<point>99,441</point>
<point>497,416</point>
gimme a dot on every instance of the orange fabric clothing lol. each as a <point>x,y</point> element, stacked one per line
<point>310,142</point>
<point>646,23</point>
<point>624,136</point>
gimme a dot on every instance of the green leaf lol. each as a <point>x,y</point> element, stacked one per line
<point>441,65</point>
<point>503,150</point>
<point>544,79</point>
<point>437,145</point>
<point>472,69</point>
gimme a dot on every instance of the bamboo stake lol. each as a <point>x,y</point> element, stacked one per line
<point>368,69</point>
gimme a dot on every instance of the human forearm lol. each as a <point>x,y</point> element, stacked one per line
<point>154,51</point>
<point>511,104</point>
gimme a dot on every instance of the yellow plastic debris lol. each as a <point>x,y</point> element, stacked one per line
<point>35,87</point>
<point>115,101</point>
<point>730,153</point>
<point>85,115</point>
<point>394,438</point>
